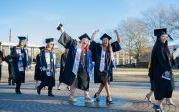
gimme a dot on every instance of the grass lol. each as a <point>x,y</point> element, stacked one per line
<point>136,74</point>
<point>120,74</point>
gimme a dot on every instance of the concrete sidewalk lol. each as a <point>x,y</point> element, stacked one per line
<point>29,101</point>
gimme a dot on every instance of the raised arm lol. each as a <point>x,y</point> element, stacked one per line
<point>117,35</point>
<point>65,39</point>
<point>1,57</point>
<point>93,44</point>
<point>94,34</point>
<point>116,45</point>
<point>15,56</point>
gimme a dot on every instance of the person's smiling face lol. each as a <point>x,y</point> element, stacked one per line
<point>163,38</point>
<point>105,42</point>
<point>84,42</point>
<point>50,45</point>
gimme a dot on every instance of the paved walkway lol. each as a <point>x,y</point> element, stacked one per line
<point>130,92</point>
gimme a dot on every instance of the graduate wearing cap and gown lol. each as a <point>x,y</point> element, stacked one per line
<point>160,71</point>
<point>48,66</point>
<point>20,60</point>
<point>9,60</point>
<point>104,62</point>
<point>37,74</point>
<point>1,60</point>
<point>149,95</point>
<point>78,64</point>
<point>62,67</point>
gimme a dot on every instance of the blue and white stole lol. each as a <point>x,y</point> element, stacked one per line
<point>76,61</point>
<point>21,56</point>
<point>91,65</point>
<point>78,53</point>
<point>113,60</point>
<point>50,59</point>
<point>102,61</point>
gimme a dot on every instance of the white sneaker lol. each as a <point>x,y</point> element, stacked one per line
<point>88,99</point>
<point>72,99</point>
<point>58,88</point>
<point>68,88</point>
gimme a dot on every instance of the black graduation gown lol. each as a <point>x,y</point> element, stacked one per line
<point>151,75</point>
<point>0,71</point>
<point>9,61</point>
<point>160,63</point>
<point>37,75</point>
<point>68,77</point>
<point>96,51</point>
<point>19,75</point>
<point>1,55</point>
<point>62,65</point>
<point>2,58</point>
<point>47,80</point>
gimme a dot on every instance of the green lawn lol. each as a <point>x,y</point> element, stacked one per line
<point>120,74</point>
<point>136,74</point>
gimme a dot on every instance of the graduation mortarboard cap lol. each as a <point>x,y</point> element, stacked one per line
<point>59,27</point>
<point>170,37</point>
<point>49,40</point>
<point>22,38</point>
<point>105,36</point>
<point>41,48</point>
<point>84,36</point>
<point>162,31</point>
<point>159,32</point>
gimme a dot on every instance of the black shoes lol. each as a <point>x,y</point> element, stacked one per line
<point>96,96</point>
<point>18,91</point>
<point>109,100</point>
<point>38,90</point>
<point>50,94</point>
<point>157,108</point>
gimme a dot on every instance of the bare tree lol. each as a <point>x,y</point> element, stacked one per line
<point>162,17</point>
<point>135,37</point>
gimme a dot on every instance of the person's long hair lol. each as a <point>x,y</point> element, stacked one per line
<point>163,47</point>
<point>109,50</point>
<point>48,46</point>
<point>20,45</point>
<point>85,50</point>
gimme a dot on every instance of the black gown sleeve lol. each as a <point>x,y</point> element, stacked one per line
<point>15,56</point>
<point>6,59</point>
<point>161,60</point>
<point>116,46</point>
<point>38,61</point>
<point>150,72</point>
<point>1,56</point>
<point>172,61</point>
<point>67,41</point>
<point>94,47</point>
<point>37,66</point>
<point>62,61</point>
